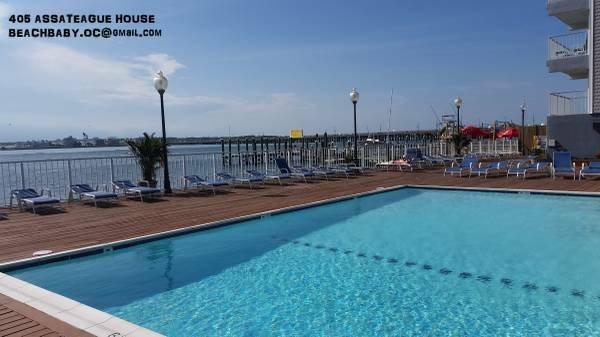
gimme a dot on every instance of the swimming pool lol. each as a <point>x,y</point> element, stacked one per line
<point>410,262</point>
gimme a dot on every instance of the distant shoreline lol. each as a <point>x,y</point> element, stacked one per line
<point>87,147</point>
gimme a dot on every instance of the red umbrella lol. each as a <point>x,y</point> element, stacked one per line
<point>508,133</point>
<point>473,131</point>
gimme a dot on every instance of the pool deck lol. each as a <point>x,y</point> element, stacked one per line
<point>83,225</point>
<point>18,319</point>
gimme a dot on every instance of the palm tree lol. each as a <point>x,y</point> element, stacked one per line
<point>148,154</point>
<point>460,141</point>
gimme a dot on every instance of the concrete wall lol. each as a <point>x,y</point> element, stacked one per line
<point>576,133</point>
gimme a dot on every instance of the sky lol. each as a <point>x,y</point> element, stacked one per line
<point>238,67</point>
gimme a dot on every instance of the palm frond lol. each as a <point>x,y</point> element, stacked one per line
<point>148,153</point>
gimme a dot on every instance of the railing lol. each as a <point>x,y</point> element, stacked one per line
<point>568,103</point>
<point>568,45</point>
<point>59,174</point>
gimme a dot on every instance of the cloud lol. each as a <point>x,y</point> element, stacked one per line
<point>5,11</point>
<point>159,61</point>
<point>93,77</point>
<point>114,96</point>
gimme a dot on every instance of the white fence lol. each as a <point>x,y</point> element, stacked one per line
<point>58,175</point>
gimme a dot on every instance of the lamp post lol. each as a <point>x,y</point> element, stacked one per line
<point>354,98</point>
<point>458,103</point>
<point>160,84</point>
<point>522,135</point>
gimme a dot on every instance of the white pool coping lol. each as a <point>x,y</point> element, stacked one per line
<point>78,315</point>
<point>100,323</point>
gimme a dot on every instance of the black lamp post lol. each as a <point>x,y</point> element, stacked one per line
<point>458,103</point>
<point>354,98</point>
<point>161,83</point>
<point>522,135</point>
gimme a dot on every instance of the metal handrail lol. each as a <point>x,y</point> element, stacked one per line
<point>58,174</point>
<point>568,103</point>
<point>568,45</point>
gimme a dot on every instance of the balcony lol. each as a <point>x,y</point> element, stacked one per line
<point>574,13</point>
<point>568,103</point>
<point>568,54</point>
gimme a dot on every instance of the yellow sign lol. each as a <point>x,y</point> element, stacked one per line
<point>296,133</point>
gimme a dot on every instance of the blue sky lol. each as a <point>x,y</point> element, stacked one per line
<point>266,66</point>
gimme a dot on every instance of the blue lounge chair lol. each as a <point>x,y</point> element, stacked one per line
<point>201,183</point>
<point>232,180</point>
<point>354,168</point>
<point>85,192</point>
<point>29,198</point>
<point>284,168</point>
<point>415,159</point>
<point>498,167</point>
<point>321,171</point>
<point>129,189</point>
<point>466,165</point>
<point>592,170</point>
<point>345,170</point>
<point>268,176</point>
<point>438,160</point>
<point>562,164</point>
<point>524,169</point>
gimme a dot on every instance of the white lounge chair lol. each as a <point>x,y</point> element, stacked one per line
<point>86,193</point>
<point>201,183</point>
<point>30,198</point>
<point>129,189</point>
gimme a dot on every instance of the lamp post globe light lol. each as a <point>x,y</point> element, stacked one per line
<point>354,95</point>
<point>160,84</point>
<point>458,103</point>
<point>522,135</point>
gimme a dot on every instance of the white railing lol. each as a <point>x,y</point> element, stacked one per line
<point>568,103</point>
<point>58,175</point>
<point>568,45</point>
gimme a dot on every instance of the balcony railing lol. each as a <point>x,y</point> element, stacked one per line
<point>568,45</point>
<point>568,103</point>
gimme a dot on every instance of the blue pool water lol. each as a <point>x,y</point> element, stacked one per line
<point>411,262</point>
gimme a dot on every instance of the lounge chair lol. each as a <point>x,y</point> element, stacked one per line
<point>399,164</point>
<point>29,198</point>
<point>268,176</point>
<point>465,165</point>
<point>85,192</point>
<point>497,167</point>
<point>524,169</point>
<point>562,165</point>
<point>592,170</point>
<point>232,180</point>
<point>129,189</point>
<point>284,168</point>
<point>354,168</point>
<point>201,183</point>
<point>415,159</point>
<point>438,160</point>
<point>321,171</point>
<point>345,170</point>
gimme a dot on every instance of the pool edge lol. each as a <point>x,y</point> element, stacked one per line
<point>120,244</point>
<point>69,311</point>
<point>78,314</point>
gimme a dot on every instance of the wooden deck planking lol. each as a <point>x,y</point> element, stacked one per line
<point>20,320</point>
<point>84,225</point>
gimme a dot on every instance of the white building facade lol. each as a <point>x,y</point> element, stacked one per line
<point>574,116</point>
